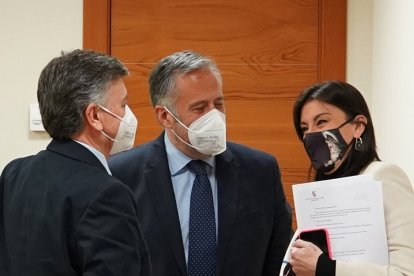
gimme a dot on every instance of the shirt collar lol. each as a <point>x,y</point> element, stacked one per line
<point>98,155</point>
<point>177,160</point>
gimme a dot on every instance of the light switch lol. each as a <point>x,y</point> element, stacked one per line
<point>35,118</point>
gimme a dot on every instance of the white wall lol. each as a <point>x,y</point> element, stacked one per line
<point>359,46</point>
<point>392,80</point>
<point>380,63</point>
<point>32,33</point>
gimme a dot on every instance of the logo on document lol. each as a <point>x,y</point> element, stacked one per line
<point>315,196</point>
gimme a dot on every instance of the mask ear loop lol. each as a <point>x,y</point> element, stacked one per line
<point>350,143</point>
<point>110,112</point>
<point>177,120</point>
<point>192,146</point>
<point>347,122</point>
<point>107,136</point>
<point>182,140</point>
<point>116,116</point>
<point>355,145</point>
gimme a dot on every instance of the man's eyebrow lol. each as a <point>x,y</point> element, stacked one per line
<point>198,103</point>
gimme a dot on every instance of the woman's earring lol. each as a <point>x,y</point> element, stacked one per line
<point>359,145</point>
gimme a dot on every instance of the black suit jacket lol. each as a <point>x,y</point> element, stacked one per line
<point>254,219</point>
<point>62,214</point>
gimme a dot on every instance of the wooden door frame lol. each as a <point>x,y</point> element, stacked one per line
<point>97,25</point>
<point>332,34</point>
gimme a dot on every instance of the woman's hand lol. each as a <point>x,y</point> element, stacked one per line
<point>304,257</point>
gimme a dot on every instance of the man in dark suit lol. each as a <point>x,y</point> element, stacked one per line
<point>61,212</point>
<point>249,216</point>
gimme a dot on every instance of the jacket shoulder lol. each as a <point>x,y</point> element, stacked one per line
<point>16,165</point>
<point>131,154</point>
<point>388,173</point>
<point>245,152</point>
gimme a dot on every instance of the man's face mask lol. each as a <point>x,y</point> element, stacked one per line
<point>125,137</point>
<point>325,148</point>
<point>207,134</point>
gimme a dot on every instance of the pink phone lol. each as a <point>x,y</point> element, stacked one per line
<point>319,237</point>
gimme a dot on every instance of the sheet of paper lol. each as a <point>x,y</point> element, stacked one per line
<point>351,208</point>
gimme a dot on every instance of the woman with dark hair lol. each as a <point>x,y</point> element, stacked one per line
<point>337,110</point>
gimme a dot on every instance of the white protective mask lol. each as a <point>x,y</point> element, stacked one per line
<point>207,134</point>
<point>125,136</point>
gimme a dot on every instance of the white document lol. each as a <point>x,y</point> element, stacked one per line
<point>351,208</point>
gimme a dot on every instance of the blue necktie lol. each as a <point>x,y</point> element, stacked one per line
<point>202,233</point>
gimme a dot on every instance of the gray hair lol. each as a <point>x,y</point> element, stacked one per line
<point>69,83</point>
<point>162,80</point>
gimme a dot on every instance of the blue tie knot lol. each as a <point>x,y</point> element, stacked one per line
<point>197,166</point>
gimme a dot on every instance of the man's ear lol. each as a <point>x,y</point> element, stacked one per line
<point>360,123</point>
<point>92,117</point>
<point>165,118</point>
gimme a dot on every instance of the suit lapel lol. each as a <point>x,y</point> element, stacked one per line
<point>158,181</point>
<point>227,184</point>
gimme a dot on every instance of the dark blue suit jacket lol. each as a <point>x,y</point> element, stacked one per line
<point>254,219</point>
<point>62,214</point>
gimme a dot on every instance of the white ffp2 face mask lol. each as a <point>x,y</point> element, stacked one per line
<point>207,134</point>
<point>125,137</point>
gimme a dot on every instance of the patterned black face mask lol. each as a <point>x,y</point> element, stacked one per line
<point>325,148</point>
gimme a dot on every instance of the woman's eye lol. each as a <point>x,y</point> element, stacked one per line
<point>304,129</point>
<point>321,122</point>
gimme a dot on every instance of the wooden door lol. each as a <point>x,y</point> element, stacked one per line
<point>267,51</point>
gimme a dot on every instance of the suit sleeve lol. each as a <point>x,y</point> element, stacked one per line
<point>282,227</point>
<point>109,238</point>
<point>398,207</point>
<point>8,172</point>
<point>4,269</point>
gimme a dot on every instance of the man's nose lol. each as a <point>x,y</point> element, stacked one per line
<point>211,106</point>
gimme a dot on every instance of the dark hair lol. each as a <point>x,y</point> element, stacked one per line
<point>163,76</point>
<point>69,83</point>
<point>349,100</point>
